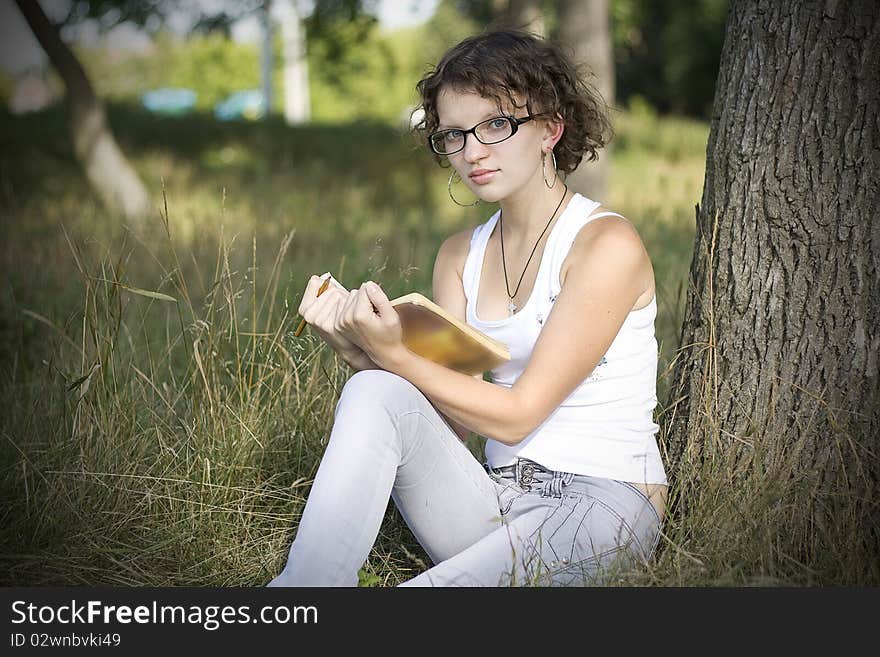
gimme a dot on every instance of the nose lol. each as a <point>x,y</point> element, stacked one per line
<point>474,150</point>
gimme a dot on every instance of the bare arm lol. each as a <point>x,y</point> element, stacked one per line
<point>358,360</point>
<point>448,292</point>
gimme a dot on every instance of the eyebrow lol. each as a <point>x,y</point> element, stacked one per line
<point>488,115</point>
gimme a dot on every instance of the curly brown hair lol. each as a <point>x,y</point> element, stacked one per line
<point>506,62</point>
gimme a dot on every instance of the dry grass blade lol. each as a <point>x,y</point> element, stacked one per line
<point>147,293</point>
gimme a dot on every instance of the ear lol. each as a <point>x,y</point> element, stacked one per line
<point>553,129</point>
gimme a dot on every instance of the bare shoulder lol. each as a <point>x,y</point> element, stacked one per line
<point>447,286</point>
<point>616,240</point>
<point>610,229</point>
<point>454,249</point>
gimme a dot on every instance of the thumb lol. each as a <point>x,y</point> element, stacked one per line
<point>377,297</point>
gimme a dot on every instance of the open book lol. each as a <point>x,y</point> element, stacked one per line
<point>431,332</point>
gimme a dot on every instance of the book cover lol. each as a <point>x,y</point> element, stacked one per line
<point>433,333</point>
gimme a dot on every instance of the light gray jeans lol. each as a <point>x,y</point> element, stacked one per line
<point>515,526</point>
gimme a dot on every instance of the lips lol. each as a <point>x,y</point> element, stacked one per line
<point>482,176</point>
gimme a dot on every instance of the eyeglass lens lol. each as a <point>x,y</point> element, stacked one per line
<point>490,131</point>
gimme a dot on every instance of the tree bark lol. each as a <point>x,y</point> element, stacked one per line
<point>779,363</point>
<point>584,27</point>
<point>106,168</point>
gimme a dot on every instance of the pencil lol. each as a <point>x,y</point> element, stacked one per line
<point>302,324</point>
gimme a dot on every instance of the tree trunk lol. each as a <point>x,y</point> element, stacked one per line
<point>94,145</point>
<point>296,71</point>
<point>778,372</point>
<point>584,28</point>
<point>520,14</point>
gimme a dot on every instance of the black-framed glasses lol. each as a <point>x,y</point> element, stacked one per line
<point>490,131</point>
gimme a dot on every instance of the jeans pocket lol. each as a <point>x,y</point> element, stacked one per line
<point>590,544</point>
<point>596,570</point>
<point>508,493</point>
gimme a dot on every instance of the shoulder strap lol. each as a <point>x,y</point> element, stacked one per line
<point>603,214</point>
<point>566,240</point>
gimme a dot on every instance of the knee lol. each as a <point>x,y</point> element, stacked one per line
<point>377,388</point>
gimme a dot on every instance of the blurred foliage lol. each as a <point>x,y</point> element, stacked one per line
<point>211,65</point>
<point>668,52</point>
<point>356,71</point>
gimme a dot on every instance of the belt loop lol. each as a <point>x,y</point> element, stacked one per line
<point>554,486</point>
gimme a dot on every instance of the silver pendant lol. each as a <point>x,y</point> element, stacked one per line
<point>511,307</point>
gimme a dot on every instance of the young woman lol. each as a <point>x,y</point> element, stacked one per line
<point>573,482</point>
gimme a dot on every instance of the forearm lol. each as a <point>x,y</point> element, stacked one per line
<point>460,430</point>
<point>358,361</point>
<point>487,409</point>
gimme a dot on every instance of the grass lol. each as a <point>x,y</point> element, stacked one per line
<point>162,426</point>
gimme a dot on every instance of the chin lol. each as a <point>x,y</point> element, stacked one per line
<point>490,195</point>
<point>492,198</point>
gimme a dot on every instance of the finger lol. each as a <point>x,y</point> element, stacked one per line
<point>379,299</point>
<point>310,294</point>
<point>364,310</point>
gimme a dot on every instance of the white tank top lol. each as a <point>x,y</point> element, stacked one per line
<point>605,427</point>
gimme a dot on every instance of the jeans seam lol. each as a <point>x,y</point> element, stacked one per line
<point>623,522</point>
<point>644,497</point>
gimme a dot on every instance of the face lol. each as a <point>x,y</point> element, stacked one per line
<point>504,168</point>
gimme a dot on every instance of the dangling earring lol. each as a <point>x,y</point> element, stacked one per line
<point>449,187</point>
<point>544,169</point>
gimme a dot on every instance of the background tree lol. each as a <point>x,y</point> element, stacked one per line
<point>584,28</point>
<point>105,166</point>
<point>777,382</point>
<point>522,14</point>
<point>296,72</point>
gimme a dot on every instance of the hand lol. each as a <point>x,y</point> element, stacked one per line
<point>321,311</point>
<point>368,320</point>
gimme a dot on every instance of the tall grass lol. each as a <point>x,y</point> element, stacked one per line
<point>162,426</point>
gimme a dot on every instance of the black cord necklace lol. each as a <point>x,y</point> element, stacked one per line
<point>511,306</point>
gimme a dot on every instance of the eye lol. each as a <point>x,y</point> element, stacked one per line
<point>453,134</point>
<point>498,123</point>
